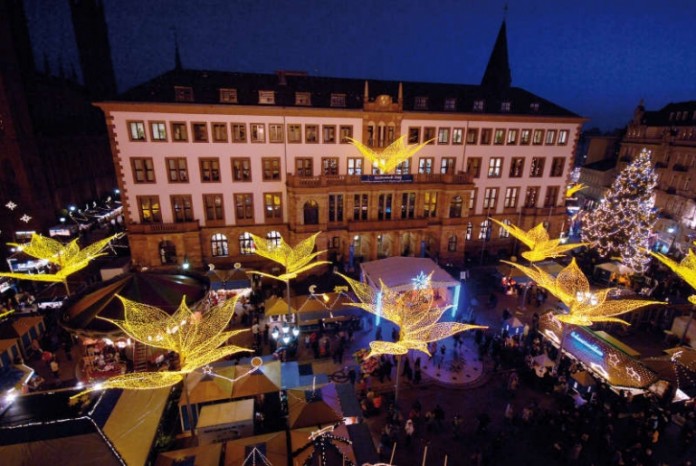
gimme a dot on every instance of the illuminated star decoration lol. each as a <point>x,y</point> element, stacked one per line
<point>421,281</point>
<point>390,158</point>
<point>68,258</point>
<point>686,269</point>
<point>11,205</point>
<point>415,313</point>
<point>613,359</point>
<point>572,288</point>
<point>198,338</point>
<point>631,372</point>
<point>25,218</point>
<point>295,260</point>
<point>538,241</point>
<point>574,189</point>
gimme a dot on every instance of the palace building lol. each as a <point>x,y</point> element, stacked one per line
<point>205,157</point>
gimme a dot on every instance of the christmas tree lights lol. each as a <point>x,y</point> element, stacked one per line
<point>538,241</point>
<point>69,258</point>
<point>199,339</point>
<point>572,288</point>
<point>387,160</point>
<point>623,222</point>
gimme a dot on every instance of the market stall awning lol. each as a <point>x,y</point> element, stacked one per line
<point>277,306</point>
<point>206,455</point>
<point>258,450</point>
<point>312,408</point>
<point>334,451</point>
<point>398,272</point>
<point>161,290</point>
<point>266,379</point>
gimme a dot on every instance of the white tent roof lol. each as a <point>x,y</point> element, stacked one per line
<point>397,272</point>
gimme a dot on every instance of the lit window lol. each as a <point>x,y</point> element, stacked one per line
<point>479,105</point>
<point>421,103</point>
<point>511,195</point>
<point>136,130</point>
<point>537,167</point>
<point>267,97</point>
<point>149,207</point>
<point>505,107</point>
<point>303,98</point>
<point>495,167</point>
<point>177,171</point>
<point>538,137</point>
<point>355,166</point>
<point>450,104</point>
<point>258,132</point>
<point>563,137</point>
<point>447,165</point>
<point>246,244</point>
<point>218,245</point>
<point>490,198</point>
<point>456,205</point>
<point>158,130</point>
<point>511,137</point>
<point>550,137</point>
<point>499,137</point>
<point>275,133</point>
<point>534,107</point>
<point>443,135</point>
<point>425,165</point>
<point>273,206</point>
<point>516,167</point>
<point>294,133</point>
<point>485,230</point>
<point>241,169</point>
<point>457,136</point>
<point>239,132</point>
<point>329,166</point>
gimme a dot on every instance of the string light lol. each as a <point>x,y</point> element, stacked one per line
<point>393,155</point>
<point>198,338</point>
<point>572,288</point>
<point>538,241</point>
<point>623,222</point>
<point>68,258</point>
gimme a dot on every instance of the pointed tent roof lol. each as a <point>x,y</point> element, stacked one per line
<point>307,408</point>
<point>265,379</point>
<point>497,76</point>
<point>273,447</point>
<point>162,290</point>
<point>300,438</point>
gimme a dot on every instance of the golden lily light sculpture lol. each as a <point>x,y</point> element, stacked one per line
<point>295,260</point>
<point>69,258</point>
<point>538,241</point>
<point>198,338</point>
<point>416,313</point>
<point>686,269</point>
<point>574,189</point>
<point>387,160</point>
<point>572,288</point>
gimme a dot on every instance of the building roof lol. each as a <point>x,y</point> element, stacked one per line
<point>686,111</point>
<point>497,76</point>
<point>206,87</point>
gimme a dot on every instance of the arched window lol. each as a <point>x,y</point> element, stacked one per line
<point>503,232</point>
<point>274,238</point>
<point>456,207</point>
<point>452,243</point>
<point>485,231</point>
<point>246,244</point>
<point>218,244</point>
<point>469,230</point>
<point>311,213</point>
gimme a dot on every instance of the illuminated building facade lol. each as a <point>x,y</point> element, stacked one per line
<point>670,135</point>
<point>203,158</point>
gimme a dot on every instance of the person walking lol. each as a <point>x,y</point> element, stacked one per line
<point>55,368</point>
<point>409,429</point>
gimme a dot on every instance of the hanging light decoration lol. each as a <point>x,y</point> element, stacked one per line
<point>69,258</point>
<point>198,338</point>
<point>538,241</point>
<point>394,154</point>
<point>572,288</point>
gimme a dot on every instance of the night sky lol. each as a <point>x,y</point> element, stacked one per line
<point>597,58</point>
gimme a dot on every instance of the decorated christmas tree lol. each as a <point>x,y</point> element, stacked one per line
<point>623,222</point>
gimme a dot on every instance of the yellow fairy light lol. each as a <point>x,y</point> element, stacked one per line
<point>198,338</point>
<point>295,260</point>
<point>69,258</point>
<point>416,313</point>
<point>571,190</point>
<point>572,288</point>
<point>387,160</point>
<point>686,269</point>
<point>540,244</point>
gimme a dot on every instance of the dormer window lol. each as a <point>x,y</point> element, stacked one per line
<point>534,106</point>
<point>671,116</point>
<point>228,96</point>
<point>338,100</point>
<point>421,103</point>
<point>450,104</point>
<point>505,107</point>
<point>183,94</point>
<point>303,98</point>
<point>479,105</point>
<point>267,97</point>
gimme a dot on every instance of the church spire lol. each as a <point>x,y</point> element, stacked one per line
<point>497,76</point>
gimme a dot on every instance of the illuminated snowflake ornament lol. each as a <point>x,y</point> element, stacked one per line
<point>25,218</point>
<point>421,281</point>
<point>390,158</point>
<point>11,205</point>
<point>295,260</point>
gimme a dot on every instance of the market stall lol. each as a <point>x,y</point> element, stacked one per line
<point>311,408</point>
<point>599,357</point>
<point>257,450</point>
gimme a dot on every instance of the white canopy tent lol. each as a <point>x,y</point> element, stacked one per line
<point>398,272</point>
